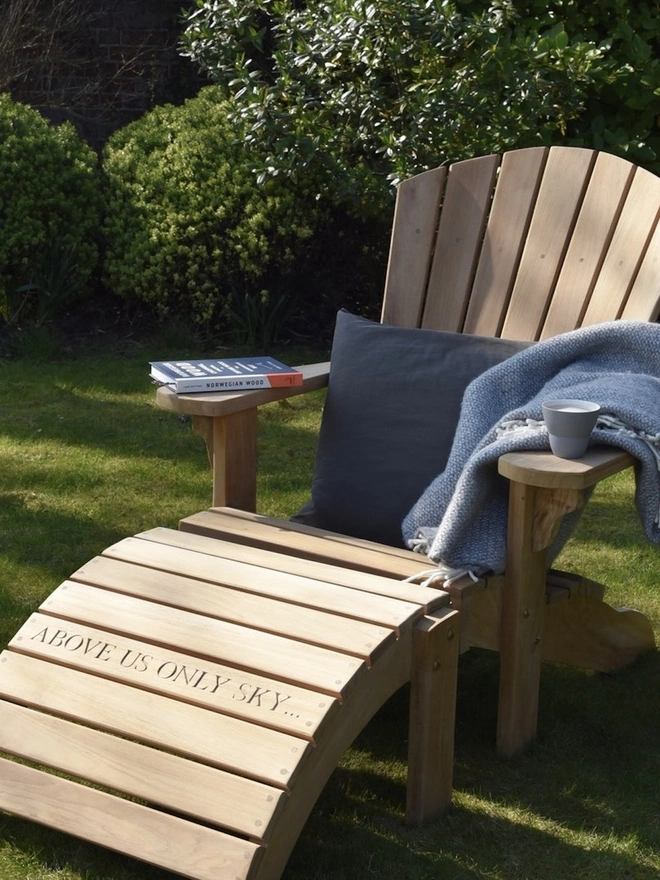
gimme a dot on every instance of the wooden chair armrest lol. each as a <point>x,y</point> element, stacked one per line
<point>543,469</point>
<point>227,421</point>
<point>224,403</point>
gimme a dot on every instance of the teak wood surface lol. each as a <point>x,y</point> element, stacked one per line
<point>528,614</point>
<point>207,689</point>
<point>526,245</point>
<point>193,690</point>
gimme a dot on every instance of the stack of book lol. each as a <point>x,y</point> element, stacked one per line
<point>229,374</point>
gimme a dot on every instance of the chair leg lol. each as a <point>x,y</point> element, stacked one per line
<point>231,442</point>
<point>433,681</point>
<point>582,630</point>
<point>523,601</point>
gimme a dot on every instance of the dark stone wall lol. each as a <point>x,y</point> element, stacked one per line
<point>118,61</point>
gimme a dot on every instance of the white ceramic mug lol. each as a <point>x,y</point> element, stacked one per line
<point>570,423</point>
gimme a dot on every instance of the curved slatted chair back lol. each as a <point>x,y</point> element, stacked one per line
<point>526,245</point>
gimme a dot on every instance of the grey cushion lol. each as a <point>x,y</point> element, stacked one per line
<point>393,403</point>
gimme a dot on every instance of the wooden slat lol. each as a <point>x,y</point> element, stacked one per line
<point>167,841</point>
<point>252,697</point>
<point>206,597</point>
<point>382,558</point>
<point>632,233</point>
<point>220,740</point>
<point>413,233</point>
<point>185,787</point>
<point>600,210</point>
<point>227,524</point>
<point>460,235</point>
<point>560,195</point>
<point>260,612</point>
<point>517,187</point>
<point>644,300</point>
<point>329,574</point>
<point>284,659</point>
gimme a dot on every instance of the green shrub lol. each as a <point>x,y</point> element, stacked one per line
<point>188,229</point>
<point>621,112</point>
<point>50,204</point>
<point>356,92</point>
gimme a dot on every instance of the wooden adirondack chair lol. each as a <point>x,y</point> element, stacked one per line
<point>215,674</point>
<point>524,246</point>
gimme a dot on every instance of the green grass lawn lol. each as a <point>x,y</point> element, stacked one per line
<point>86,458</point>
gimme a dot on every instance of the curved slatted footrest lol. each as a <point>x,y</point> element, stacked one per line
<point>183,700</point>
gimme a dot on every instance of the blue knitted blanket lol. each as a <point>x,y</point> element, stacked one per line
<point>460,521</point>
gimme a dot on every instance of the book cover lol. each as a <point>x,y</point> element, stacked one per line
<point>227,374</point>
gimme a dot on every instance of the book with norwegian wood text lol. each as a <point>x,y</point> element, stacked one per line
<point>228,374</point>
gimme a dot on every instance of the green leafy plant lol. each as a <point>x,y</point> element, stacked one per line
<point>50,208</point>
<point>56,281</point>
<point>620,112</point>
<point>259,318</point>
<point>350,94</point>
<point>187,223</point>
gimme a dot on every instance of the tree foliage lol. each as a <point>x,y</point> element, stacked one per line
<point>346,94</point>
<point>621,111</point>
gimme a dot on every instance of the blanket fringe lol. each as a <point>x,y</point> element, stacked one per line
<point>517,425</point>
<point>444,574</point>
<point>440,576</point>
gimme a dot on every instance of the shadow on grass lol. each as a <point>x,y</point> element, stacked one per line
<point>581,803</point>
<point>81,418</point>
<point>119,427</point>
<point>43,546</point>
